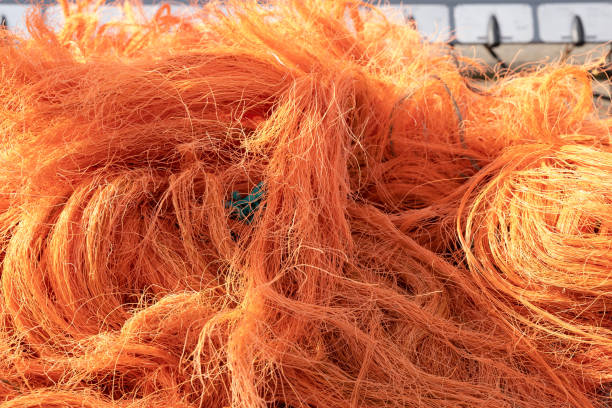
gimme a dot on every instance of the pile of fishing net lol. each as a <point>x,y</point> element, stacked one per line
<point>295,205</point>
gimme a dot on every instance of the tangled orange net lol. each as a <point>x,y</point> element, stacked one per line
<point>398,235</point>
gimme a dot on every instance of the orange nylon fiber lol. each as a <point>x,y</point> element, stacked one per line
<point>421,242</point>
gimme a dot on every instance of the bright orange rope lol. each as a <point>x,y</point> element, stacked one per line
<point>419,243</point>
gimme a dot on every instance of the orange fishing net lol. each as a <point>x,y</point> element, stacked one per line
<point>300,205</point>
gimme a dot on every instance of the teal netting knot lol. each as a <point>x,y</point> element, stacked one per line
<point>243,209</point>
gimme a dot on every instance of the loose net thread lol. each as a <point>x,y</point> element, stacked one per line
<point>418,244</point>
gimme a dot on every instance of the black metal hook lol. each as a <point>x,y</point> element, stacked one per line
<point>577,31</point>
<point>493,32</point>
